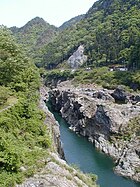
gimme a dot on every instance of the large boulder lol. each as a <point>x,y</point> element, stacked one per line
<point>120,95</point>
<point>100,94</point>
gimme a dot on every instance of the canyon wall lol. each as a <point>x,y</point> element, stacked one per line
<point>56,173</point>
<point>94,113</point>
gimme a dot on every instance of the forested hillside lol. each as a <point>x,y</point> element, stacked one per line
<point>110,33</point>
<point>71,22</point>
<point>23,136</point>
<point>34,34</point>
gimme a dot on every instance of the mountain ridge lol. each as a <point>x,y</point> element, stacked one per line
<point>34,33</point>
<point>37,32</point>
<point>71,22</point>
<point>110,33</point>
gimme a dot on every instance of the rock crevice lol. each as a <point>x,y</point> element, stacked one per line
<point>56,173</point>
<point>104,122</point>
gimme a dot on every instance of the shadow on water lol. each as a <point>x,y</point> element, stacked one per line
<point>80,152</point>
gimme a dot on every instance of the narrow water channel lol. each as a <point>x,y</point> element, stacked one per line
<point>80,152</point>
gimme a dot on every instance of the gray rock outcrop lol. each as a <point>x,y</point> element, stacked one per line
<point>120,95</point>
<point>56,173</point>
<point>105,123</point>
<point>78,58</point>
<point>52,124</point>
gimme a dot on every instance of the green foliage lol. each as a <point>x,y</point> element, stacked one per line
<point>134,61</point>
<point>89,178</point>
<point>23,136</point>
<point>4,94</point>
<point>12,60</point>
<point>102,76</point>
<point>34,34</point>
<point>110,33</point>
<point>52,77</point>
<point>71,22</point>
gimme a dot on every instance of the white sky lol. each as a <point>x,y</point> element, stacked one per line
<point>19,12</point>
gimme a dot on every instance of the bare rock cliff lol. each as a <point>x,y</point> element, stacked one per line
<point>77,58</point>
<point>94,113</point>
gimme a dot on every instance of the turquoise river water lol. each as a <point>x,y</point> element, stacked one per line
<point>80,152</point>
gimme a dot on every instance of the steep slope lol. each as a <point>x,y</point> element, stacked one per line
<point>95,113</point>
<point>35,33</point>
<point>29,137</point>
<point>21,121</point>
<point>110,33</point>
<point>56,171</point>
<point>71,22</point>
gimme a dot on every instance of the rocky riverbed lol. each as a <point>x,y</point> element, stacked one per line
<point>108,118</point>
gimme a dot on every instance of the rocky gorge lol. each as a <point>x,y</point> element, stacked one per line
<point>56,171</point>
<point>108,118</point>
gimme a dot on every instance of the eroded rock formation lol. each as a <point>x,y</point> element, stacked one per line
<point>93,113</point>
<point>56,173</point>
<point>78,58</point>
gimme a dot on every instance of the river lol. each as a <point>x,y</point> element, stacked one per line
<point>80,152</point>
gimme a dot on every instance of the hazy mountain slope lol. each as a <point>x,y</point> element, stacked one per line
<point>35,33</point>
<point>110,33</point>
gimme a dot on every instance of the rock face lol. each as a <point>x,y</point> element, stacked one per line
<point>93,113</point>
<point>120,95</point>
<point>56,173</point>
<point>78,58</point>
<point>52,124</point>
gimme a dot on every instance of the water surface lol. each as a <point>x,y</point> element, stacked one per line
<point>80,152</point>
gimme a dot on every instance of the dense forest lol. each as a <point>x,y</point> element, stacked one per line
<point>35,34</point>
<point>23,135</point>
<point>110,33</point>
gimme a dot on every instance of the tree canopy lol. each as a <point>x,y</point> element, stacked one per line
<point>110,33</point>
<point>23,135</point>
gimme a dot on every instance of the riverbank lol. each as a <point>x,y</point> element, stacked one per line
<point>83,154</point>
<point>56,171</point>
<point>93,112</point>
